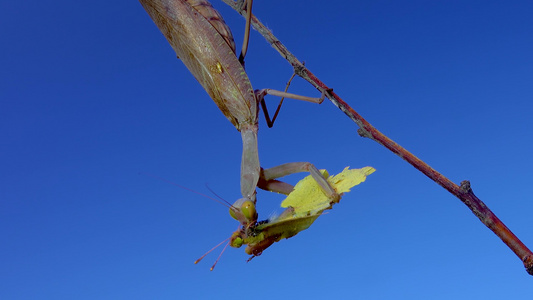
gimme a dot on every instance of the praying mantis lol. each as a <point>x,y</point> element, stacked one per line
<point>203,41</point>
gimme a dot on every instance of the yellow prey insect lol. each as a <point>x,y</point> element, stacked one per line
<point>303,206</point>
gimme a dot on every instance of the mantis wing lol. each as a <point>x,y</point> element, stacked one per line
<point>208,57</point>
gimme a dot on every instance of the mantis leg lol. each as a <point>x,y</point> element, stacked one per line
<point>268,178</point>
<point>248,6</point>
<point>250,167</point>
<point>260,95</point>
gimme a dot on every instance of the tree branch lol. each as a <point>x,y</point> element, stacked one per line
<point>463,192</point>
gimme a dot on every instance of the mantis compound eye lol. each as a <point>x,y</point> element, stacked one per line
<point>248,211</point>
<point>243,210</point>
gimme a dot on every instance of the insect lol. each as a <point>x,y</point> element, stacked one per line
<point>203,41</point>
<point>303,206</point>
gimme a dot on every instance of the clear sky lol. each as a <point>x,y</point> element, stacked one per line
<point>91,94</point>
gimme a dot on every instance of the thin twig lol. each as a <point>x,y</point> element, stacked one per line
<point>463,192</point>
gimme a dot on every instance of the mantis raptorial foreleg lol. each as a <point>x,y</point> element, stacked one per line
<point>269,182</point>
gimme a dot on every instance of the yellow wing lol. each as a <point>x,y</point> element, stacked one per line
<point>308,199</point>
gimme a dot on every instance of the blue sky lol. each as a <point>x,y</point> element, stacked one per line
<point>91,94</point>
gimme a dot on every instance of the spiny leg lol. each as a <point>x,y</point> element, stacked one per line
<point>274,185</point>
<point>268,178</point>
<point>250,167</point>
